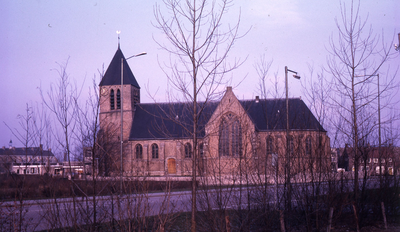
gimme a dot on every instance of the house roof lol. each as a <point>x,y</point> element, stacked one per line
<point>22,151</point>
<point>113,73</point>
<point>174,120</point>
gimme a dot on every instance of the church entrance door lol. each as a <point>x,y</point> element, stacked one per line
<point>171,166</point>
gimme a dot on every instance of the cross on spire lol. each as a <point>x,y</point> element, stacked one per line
<point>118,32</point>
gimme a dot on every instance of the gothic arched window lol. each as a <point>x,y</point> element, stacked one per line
<point>230,137</point>
<point>223,147</point>
<point>201,149</point>
<point>118,99</point>
<point>154,151</point>
<point>139,151</point>
<point>291,145</point>
<point>112,106</point>
<point>270,142</point>
<point>308,145</point>
<point>236,141</point>
<point>188,150</point>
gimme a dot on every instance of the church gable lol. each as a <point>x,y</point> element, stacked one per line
<point>230,129</point>
<point>229,107</point>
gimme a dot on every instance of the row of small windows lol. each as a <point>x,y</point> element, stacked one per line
<point>139,151</point>
<point>112,100</point>
<point>378,169</point>
<point>230,144</point>
<point>26,171</point>
<point>376,160</point>
<point>155,151</point>
<point>271,148</point>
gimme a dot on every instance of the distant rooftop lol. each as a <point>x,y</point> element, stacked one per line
<point>22,151</point>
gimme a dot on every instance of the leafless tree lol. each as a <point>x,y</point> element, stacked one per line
<point>26,135</point>
<point>357,54</point>
<point>61,99</point>
<point>199,43</point>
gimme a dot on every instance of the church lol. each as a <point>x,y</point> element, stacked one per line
<point>233,136</point>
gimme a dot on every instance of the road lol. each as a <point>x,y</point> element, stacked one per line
<point>46,214</point>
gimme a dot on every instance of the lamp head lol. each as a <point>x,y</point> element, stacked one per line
<point>141,54</point>
<point>296,76</point>
<point>397,46</point>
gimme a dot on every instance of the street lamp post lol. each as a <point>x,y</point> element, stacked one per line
<point>122,111</point>
<point>288,148</point>
<point>397,46</point>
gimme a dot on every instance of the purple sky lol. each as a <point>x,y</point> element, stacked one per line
<point>36,35</point>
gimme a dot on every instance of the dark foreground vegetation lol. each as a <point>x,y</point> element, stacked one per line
<point>256,219</point>
<point>34,187</point>
<point>220,207</point>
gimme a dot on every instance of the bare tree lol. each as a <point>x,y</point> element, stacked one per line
<point>61,99</point>
<point>200,43</point>
<point>355,58</point>
<point>24,135</point>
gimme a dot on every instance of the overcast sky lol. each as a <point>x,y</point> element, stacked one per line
<point>36,36</point>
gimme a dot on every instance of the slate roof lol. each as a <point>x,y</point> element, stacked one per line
<point>21,151</point>
<point>168,120</point>
<point>173,120</point>
<point>270,114</point>
<point>113,73</point>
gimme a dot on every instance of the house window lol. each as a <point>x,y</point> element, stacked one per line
<point>139,151</point>
<point>118,99</point>
<point>375,160</point>
<point>389,160</point>
<point>378,170</point>
<point>112,106</point>
<point>270,142</point>
<point>188,150</point>
<point>382,160</point>
<point>17,171</point>
<point>201,149</point>
<point>230,137</point>
<point>308,145</point>
<point>32,170</point>
<point>369,160</point>
<point>154,151</point>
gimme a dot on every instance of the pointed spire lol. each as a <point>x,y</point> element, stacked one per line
<point>112,76</point>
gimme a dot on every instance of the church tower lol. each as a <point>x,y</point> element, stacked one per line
<point>116,98</point>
